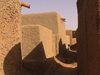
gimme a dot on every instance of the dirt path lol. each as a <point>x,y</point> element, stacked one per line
<point>53,66</point>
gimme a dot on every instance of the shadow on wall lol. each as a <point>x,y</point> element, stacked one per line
<point>37,53</point>
<point>65,55</point>
<point>12,62</point>
<point>33,62</point>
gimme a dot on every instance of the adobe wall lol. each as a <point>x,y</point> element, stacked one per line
<point>67,40</point>
<point>10,53</point>
<point>36,39</point>
<point>69,33</point>
<point>88,37</point>
<point>74,33</point>
<point>50,20</point>
<point>47,19</point>
<point>62,31</point>
<point>74,41</point>
<point>55,44</point>
<point>36,47</point>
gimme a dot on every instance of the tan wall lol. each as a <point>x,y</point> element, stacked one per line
<point>46,38</point>
<point>88,37</point>
<point>37,40</point>
<point>55,44</point>
<point>74,41</point>
<point>47,19</point>
<point>69,33</point>
<point>50,20</point>
<point>62,31</point>
<point>36,47</point>
<point>67,41</point>
<point>10,52</point>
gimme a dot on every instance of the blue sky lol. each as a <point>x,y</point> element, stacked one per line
<point>66,8</point>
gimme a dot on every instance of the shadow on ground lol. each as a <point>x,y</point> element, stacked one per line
<point>36,63</point>
<point>74,47</point>
<point>65,55</point>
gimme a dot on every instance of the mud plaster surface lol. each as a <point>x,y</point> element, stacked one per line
<point>88,37</point>
<point>50,20</point>
<point>10,12</point>
<point>32,36</point>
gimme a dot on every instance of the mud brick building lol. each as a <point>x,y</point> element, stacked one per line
<point>36,36</point>
<point>50,20</point>
<point>31,42</point>
<point>72,36</point>
<point>10,51</point>
<point>88,41</point>
<point>42,31</point>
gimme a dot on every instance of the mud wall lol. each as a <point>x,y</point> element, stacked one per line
<point>62,31</point>
<point>36,47</point>
<point>74,41</point>
<point>67,41</point>
<point>69,33</point>
<point>74,33</point>
<point>10,54</point>
<point>88,37</point>
<point>50,20</point>
<point>36,39</point>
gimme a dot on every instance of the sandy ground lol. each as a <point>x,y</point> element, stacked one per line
<point>65,63</point>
